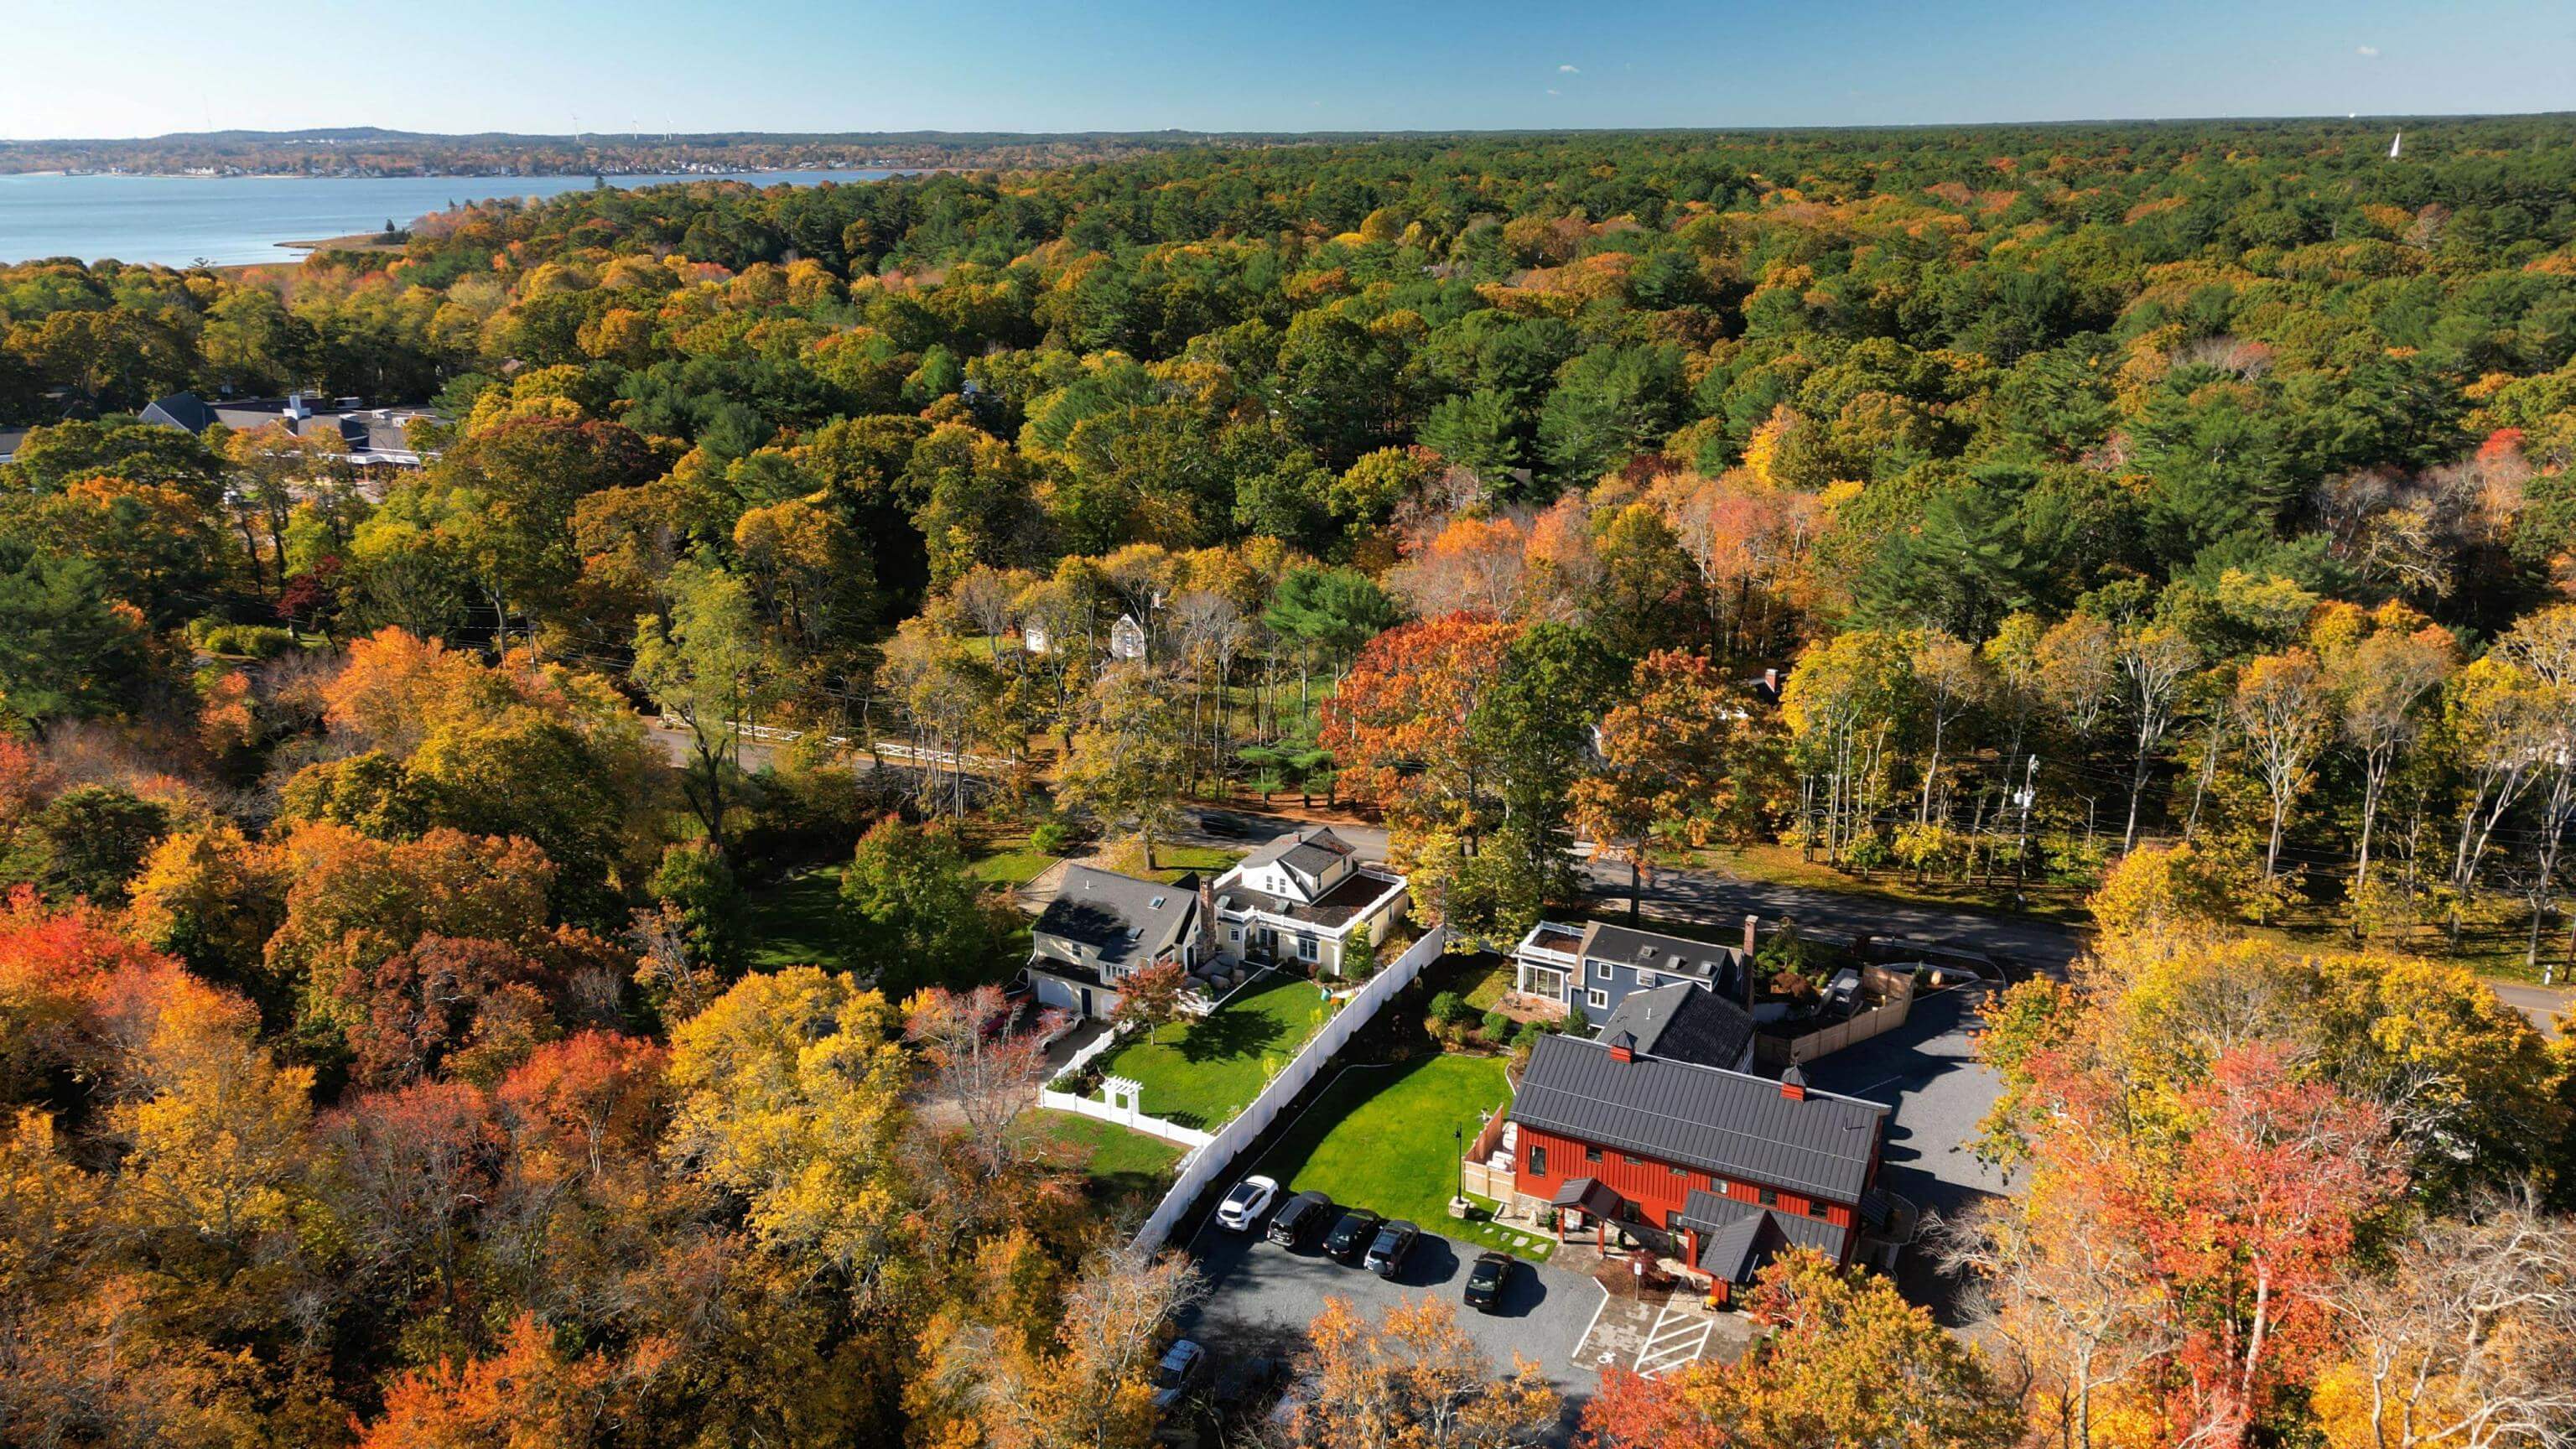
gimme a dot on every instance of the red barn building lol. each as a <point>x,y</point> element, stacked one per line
<point>1720,1169</point>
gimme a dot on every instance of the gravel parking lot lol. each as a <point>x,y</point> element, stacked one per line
<point>1263,1296</point>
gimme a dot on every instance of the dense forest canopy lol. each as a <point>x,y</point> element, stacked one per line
<point>2177,514</point>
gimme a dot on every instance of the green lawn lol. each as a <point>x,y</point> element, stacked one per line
<point>1010,864</point>
<point>1123,1166</point>
<point>1382,1138</point>
<point>1202,1073</point>
<point>1171,862</point>
<point>795,922</point>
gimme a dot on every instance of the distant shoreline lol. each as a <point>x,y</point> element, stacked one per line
<point>735,174</point>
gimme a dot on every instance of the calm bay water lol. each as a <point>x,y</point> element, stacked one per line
<point>226,220</point>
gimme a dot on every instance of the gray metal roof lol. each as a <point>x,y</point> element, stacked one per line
<point>1728,1123</point>
<point>1096,910</point>
<point>1742,1236</point>
<point>1683,1022</point>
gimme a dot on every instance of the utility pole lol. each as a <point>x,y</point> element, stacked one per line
<point>2021,842</point>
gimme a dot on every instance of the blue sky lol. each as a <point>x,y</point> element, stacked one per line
<point>142,67</point>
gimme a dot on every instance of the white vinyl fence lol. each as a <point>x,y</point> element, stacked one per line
<point>1127,1117</point>
<point>1214,1159</point>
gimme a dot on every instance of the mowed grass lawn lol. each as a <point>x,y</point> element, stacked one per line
<point>1382,1138</point>
<point>795,922</point>
<point>1208,1068</point>
<point>1124,1167</point>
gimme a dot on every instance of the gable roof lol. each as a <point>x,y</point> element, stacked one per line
<point>1683,1022</point>
<point>1654,951</point>
<point>1312,850</point>
<point>1728,1123</point>
<point>183,410</point>
<point>1119,920</point>
<point>1743,1236</point>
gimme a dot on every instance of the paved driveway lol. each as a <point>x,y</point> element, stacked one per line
<point>1262,1296</point>
<point>1714,899</point>
<point>1927,1070</point>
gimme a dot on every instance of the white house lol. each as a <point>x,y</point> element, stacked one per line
<point>1103,927</point>
<point>1306,896</point>
<point>1126,638</point>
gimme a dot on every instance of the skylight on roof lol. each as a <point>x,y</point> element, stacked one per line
<point>1135,933</point>
<point>1155,904</point>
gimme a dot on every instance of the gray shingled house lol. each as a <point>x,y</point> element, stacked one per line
<point>1103,927</point>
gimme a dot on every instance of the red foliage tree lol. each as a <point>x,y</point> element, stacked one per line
<point>444,995</point>
<point>1399,723</point>
<point>591,1094</point>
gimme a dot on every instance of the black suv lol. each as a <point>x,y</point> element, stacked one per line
<point>1394,1241</point>
<point>1486,1281</point>
<point>1352,1235</point>
<point>1305,1215</point>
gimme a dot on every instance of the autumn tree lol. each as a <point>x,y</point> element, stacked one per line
<point>789,1096</point>
<point>1682,763</point>
<point>1415,1378</point>
<point>703,663</point>
<point>1131,754</point>
<point>2284,710</point>
<point>1399,723</point>
<point>1151,997</point>
<point>1089,1384</point>
<point>1848,1361</point>
<point>2462,1339</point>
<point>988,1075</point>
<point>1843,704</point>
<point>2154,660</point>
<point>2383,682</point>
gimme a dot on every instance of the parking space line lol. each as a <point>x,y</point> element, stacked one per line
<point>1664,1345</point>
<point>1588,1327</point>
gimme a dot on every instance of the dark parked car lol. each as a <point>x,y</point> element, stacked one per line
<point>1395,1240</point>
<point>1183,1363</point>
<point>1304,1218</point>
<point>1486,1280</point>
<point>1352,1235</point>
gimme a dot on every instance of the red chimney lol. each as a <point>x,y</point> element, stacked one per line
<point>1623,1048</point>
<point>1793,1084</point>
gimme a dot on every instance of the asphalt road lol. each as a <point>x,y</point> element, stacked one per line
<point>1262,1296</point>
<point>1709,898</point>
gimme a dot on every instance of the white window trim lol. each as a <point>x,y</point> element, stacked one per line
<point>1599,998</point>
<point>1600,970</point>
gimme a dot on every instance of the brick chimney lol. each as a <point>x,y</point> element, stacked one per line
<point>1749,922</point>
<point>1207,918</point>
<point>1623,1048</point>
<point>1793,1084</point>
